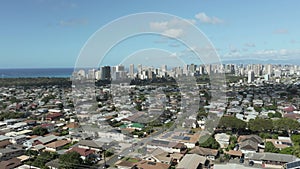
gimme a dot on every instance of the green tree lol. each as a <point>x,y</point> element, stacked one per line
<point>209,142</point>
<point>258,109</point>
<point>108,153</point>
<point>232,143</point>
<point>286,124</point>
<point>232,123</point>
<point>269,147</point>
<point>11,115</point>
<point>296,139</point>
<point>43,158</point>
<point>39,131</point>
<point>70,160</point>
<point>275,115</point>
<point>294,150</point>
<point>287,150</point>
<point>260,124</point>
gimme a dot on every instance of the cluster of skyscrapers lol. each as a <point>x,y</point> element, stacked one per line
<point>120,72</point>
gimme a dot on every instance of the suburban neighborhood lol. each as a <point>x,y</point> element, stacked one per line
<point>145,125</point>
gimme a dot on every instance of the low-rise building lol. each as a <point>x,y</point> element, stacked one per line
<point>193,161</point>
<point>222,139</point>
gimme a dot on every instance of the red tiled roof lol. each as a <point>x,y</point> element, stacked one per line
<point>82,151</point>
<point>292,115</point>
<point>58,143</point>
<point>289,109</point>
<point>234,153</point>
<point>54,115</point>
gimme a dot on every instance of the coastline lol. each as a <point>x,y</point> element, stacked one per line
<point>35,73</point>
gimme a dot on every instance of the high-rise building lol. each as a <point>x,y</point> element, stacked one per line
<point>164,68</point>
<point>98,75</point>
<point>270,70</point>
<point>120,68</point>
<point>140,68</point>
<point>131,70</point>
<point>91,74</point>
<point>105,73</point>
<point>251,76</point>
<point>277,73</point>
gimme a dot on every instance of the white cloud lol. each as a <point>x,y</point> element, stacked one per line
<point>159,26</point>
<point>173,28</point>
<point>173,23</point>
<point>173,33</point>
<point>203,18</point>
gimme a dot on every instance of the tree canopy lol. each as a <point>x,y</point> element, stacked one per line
<point>286,124</point>
<point>209,142</point>
<point>70,160</point>
<point>260,124</point>
<point>43,158</point>
<point>269,147</point>
<point>232,123</point>
<point>40,131</point>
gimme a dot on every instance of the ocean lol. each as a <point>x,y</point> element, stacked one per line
<point>36,72</point>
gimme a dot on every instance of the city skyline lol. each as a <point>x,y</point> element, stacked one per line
<point>121,72</point>
<point>50,34</point>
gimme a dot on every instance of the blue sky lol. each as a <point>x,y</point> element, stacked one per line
<point>50,33</point>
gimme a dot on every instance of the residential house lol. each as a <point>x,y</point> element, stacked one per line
<point>222,139</point>
<point>54,116</point>
<point>206,152</point>
<point>193,161</point>
<point>143,164</point>
<point>45,140</point>
<point>10,152</point>
<point>248,146</point>
<point>20,139</point>
<point>188,139</point>
<point>56,145</point>
<point>281,142</point>
<point>53,164</point>
<point>249,143</point>
<point>124,164</point>
<point>39,148</point>
<point>159,155</point>
<point>84,153</point>
<point>4,141</point>
<point>50,127</point>
<point>167,146</point>
<point>71,127</point>
<point>270,160</point>
<point>29,143</point>
<point>292,115</point>
<point>10,163</point>
<point>234,153</point>
<point>91,144</point>
<point>18,126</point>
